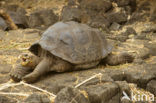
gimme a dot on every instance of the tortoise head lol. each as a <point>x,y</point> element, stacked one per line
<point>27,60</point>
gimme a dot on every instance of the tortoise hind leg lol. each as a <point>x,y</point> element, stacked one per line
<point>61,66</point>
<point>116,59</point>
<point>19,72</point>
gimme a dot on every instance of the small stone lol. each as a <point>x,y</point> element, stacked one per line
<point>102,93</point>
<point>122,2</point>
<point>96,5</point>
<point>37,98</point>
<point>151,86</point>
<point>44,17</point>
<point>71,14</point>
<point>4,99</point>
<point>115,26</point>
<point>70,95</point>
<point>130,30</point>
<point>118,17</point>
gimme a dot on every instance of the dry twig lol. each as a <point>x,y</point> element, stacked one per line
<point>92,77</point>
<point>32,86</point>
<point>8,20</point>
<point>17,94</point>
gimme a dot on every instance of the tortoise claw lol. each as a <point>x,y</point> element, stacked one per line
<point>19,72</point>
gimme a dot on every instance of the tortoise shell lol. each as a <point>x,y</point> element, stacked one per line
<point>74,42</point>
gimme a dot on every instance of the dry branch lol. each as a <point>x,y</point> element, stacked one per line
<point>8,20</point>
<point>32,86</point>
<point>92,77</point>
<point>17,94</point>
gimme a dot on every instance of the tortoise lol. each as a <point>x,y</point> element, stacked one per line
<point>67,46</point>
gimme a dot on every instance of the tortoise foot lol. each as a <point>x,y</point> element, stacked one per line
<point>30,78</point>
<point>19,72</point>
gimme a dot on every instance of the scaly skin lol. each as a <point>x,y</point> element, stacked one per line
<point>28,63</point>
<point>116,59</point>
<point>19,72</point>
<point>47,64</point>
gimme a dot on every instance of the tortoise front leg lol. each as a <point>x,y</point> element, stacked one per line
<point>42,68</point>
<point>19,72</point>
<point>28,63</point>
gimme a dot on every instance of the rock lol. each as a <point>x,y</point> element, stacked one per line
<point>153,17</point>
<point>122,2</point>
<point>116,75</point>
<point>133,5</point>
<point>2,35</point>
<point>142,36</point>
<point>37,98</point>
<point>151,86</point>
<point>144,6</point>
<point>96,5</point>
<point>149,28</point>
<point>87,12</point>
<point>103,79</point>
<point>70,95</point>
<point>17,14</point>
<point>152,60</point>
<point>42,18</point>
<point>4,99</point>
<point>71,14</point>
<point>121,37</point>
<point>3,25</point>
<point>128,10</point>
<point>129,31</point>
<point>138,61</point>
<point>5,69</point>
<point>103,93</point>
<point>118,17</point>
<point>118,38</point>
<point>114,99</point>
<point>126,101</point>
<point>140,74</point>
<point>18,19</point>
<point>98,22</point>
<point>115,26</point>
<point>16,8</point>
<point>71,2</point>
<point>124,35</point>
<point>123,85</point>
<point>137,46</point>
<point>152,48</point>
<point>136,17</point>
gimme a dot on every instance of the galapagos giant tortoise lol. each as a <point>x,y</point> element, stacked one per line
<point>67,46</point>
